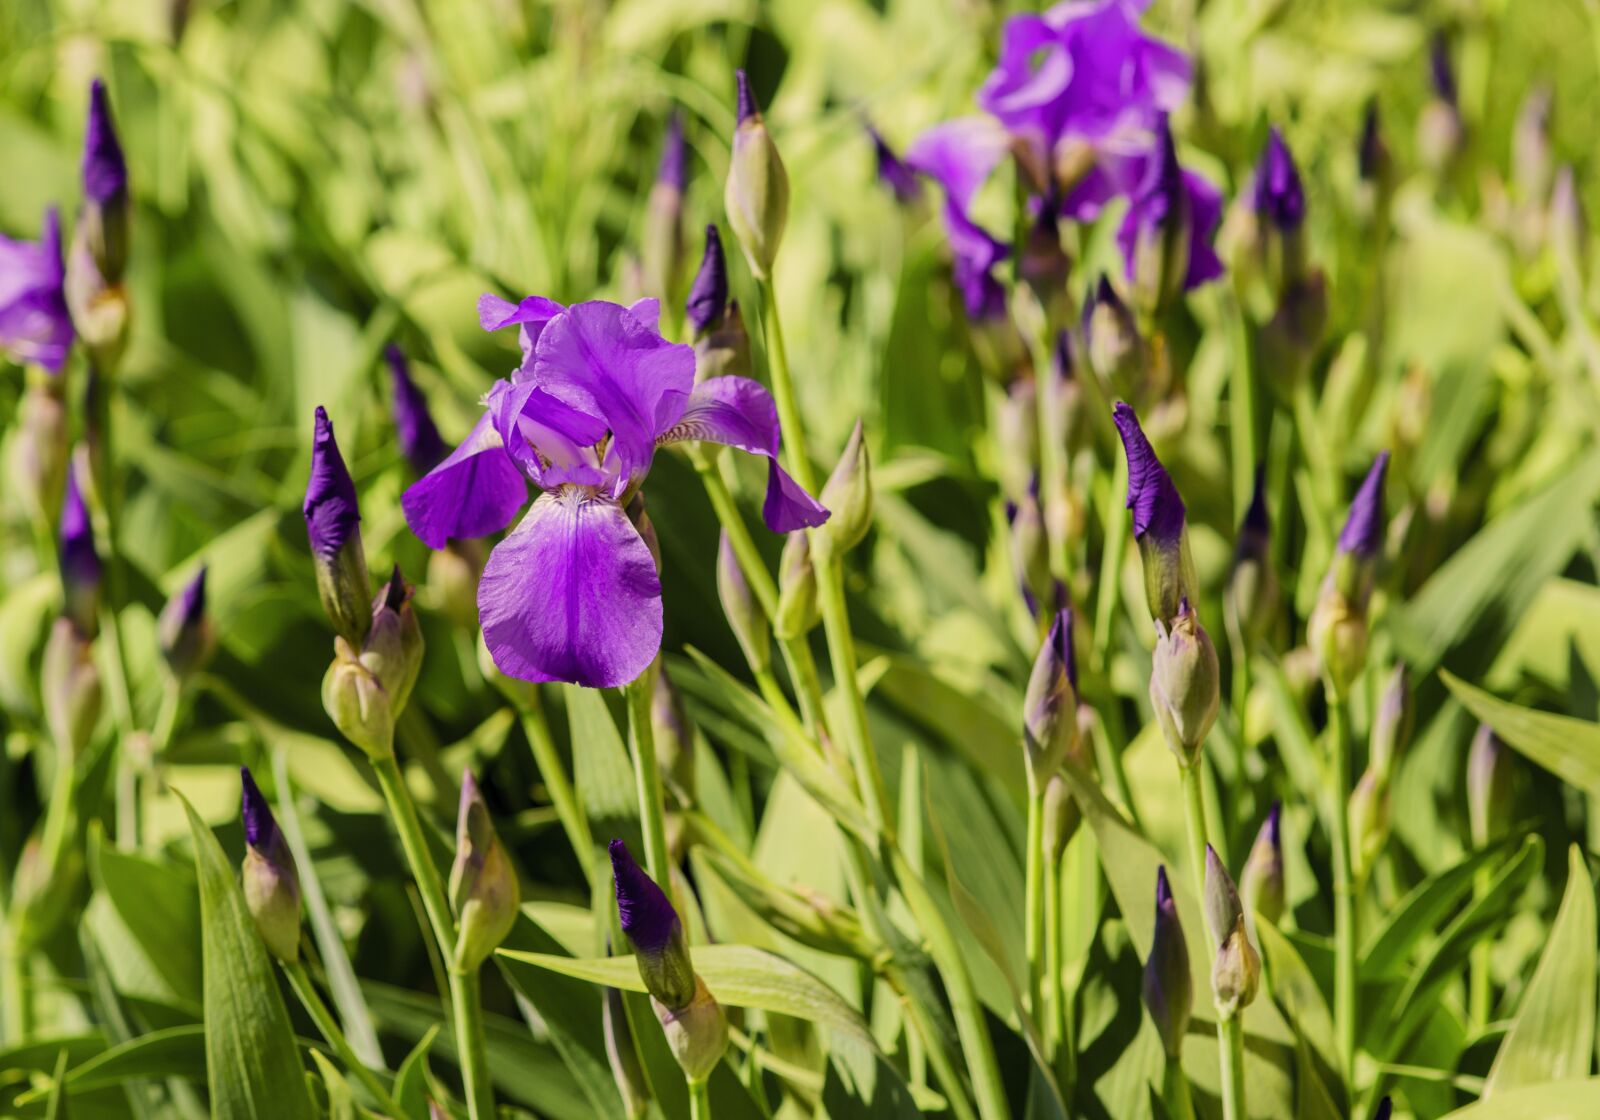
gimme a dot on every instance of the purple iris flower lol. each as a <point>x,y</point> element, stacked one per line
<point>331,512</point>
<point>35,325</point>
<point>1362,534</point>
<point>573,593</point>
<point>893,172</point>
<point>1157,508</point>
<point>1167,195</point>
<point>1276,193</point>
<point>959,155</point>
<point>419,438</point>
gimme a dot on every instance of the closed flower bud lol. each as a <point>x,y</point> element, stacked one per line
<point>1221,901</point>
<point>79,561</point>
<point>1261,887</point>
<point>393,650</point>
<point>848,495</point>
<point>1338,629</point>
<point>187,637</point>
<point>1391,723</point>
<point>1030,550</point>
<point>1185,684</point>
<point>271,880</point>
<point>99,307</point>
<point>725,349</point>
<point>664,239</point>
<point>1567,230</point>
<point>674,737</point>
<point>1372,155</point>
<point>1044,265</point>
<point>708,295</point>
<point>757,194</point>
<point>1016,438</point>
<point>697,1034</point>
<point>1168,986</point>
<point>739,603</point>
<point>1251,598</point>
<point>652,927</point>
<point>1440,131</point>
<point>414,428</point>
<point>103,223</point>
<point>1116,352</point>
<point>453,574</point>
<point>1236,973</point>
<point>1279,201</point>
<point>1159,260</point>
<point>39,449</point>
<point>483,884</point>
<point>1159,522</point>
<point>69,687</point>
<point>1290,339</point>
<point>799,610</point>
<point>1338,636</point>
<point>357,703</point>
<point>623,1057</point>
<point>1532,165</point>
<point>1369,821</point>
<point>1489,787</point>
<point>333,526</point>
<point>1050,704</point>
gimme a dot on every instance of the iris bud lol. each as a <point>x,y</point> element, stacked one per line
<point>39,450</point>
<point>1251,598</point>
<point>1168,986</point>
<point>483,884</point>
<point>1236,973</point>
<point>80,565</point>
<point>1372,156</point>
<point>1116,352</point>
<point>1391,723</point>
<point>1050,704</point>
<point>739,603</point>
<point>798,608</point>
<point>1221,901</point>
<point>393,650</point>
<point>1159,521</point>
<point>1290,339</point>
<point>1016,438</point>
<point>356,702</point>
<point>1061,816</point>
<point>1030,551</point>
<point>652,927</point>
<point>1384,1110</point>
<point>1044,265</point>
<point>187,637</point>
<point>1440,131</point>
<point>1369,821</point>
<point>1261,889</point>
<point>674,737</point>
<point>848,494</point>
<point>333,525</point>
<point>453,574</point>
<point>664,239</point>
<point>1489,787</point>
<point>1279,201</point>
<point>1160,263</point>
<point>757,193</point>
<point>1185,684</point>
<point>697,1034</point>
<point>708,296</point>
<point>69,686</point>
<point>103,224</point>
<point>271,880</point>
<point>1338,631</point>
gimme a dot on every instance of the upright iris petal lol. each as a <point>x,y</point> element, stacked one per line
<point>893,172</point>
<point>960,155</point>
<point>419,438</point>
<point>35,325</point>
<point>1362,534</point>
<point>1157,508</point>
<point>1166,236</point>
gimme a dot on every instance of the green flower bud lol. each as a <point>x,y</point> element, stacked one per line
<point>848,495</point>
<point>99,307</point>
<point>697,1034</point>
<point>1050,704</point>
<point>1490,787</point>
<point>1185,687</point>
<point>356,701</point>
<point>393,649</point>
<point>1168,985</point>
<point>1116,352</point>
<point>1338,635</point>
<point>483,884</point>
<point>1261,888</point>
<point>1236,973</point>
<point>1221,900</point>
<point>270,878</point>
<point>799,610</point>
<point>452,587</point>
<point>39,448</point>
<point>757,193</point>
<point>1391,724</point>
<point>739,603</point>
<point>1061,816</point>
<point>1369,822</point>
<point>1016,438</point>
<point>674,737</point>
<point>1290,339</point>
<point>1251,598</point>
<point>69,685</point>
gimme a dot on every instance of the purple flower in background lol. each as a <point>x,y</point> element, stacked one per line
<point>1276,193</point>
<point>185,632</point>
<point>960,155</point>
<point>1385,1109</point>
<point>1440,70</point>
<point>105,171</point>
<point>708,295</point>
<point>80,563</point>
<point>1362,534</point>
<point>1157,509</point>
<point>419,439</point>
<point>35,325</point>
<point>1166,235</point>
<point>893,172</point>
<point>673,170</point>
<point>573,593</point>
<point>330,509</point>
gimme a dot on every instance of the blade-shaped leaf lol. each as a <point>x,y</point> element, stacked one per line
<point>1554,1100</point>
<point>1568,748</point>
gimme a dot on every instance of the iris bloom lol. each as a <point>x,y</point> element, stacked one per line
<point>1166,235</point>
<point>573,593</point>
<point>34,323</point>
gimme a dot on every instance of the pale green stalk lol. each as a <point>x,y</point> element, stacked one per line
<point>466,988</point>
<point>699,1099</point>
<point>1033,911</point>
<point>1479,994</point>
<point>1344,913</point>
<point>1115,521</point>
<point>551,769</point>
<point>329,1028</point>
<point>1175,1091</point>
<point>1230,1030</point>
<point>647,781</point>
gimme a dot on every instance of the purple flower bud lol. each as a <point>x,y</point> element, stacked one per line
<point>1440,69</point>
<point>186,635</point>
<point>747,100</point>
<point>1261,889</point>
<point>1111,336</point>
<point>708,295</point>
<point>893,171</point>
<point>756,195</point>
<point>1050,704</point>
<point>394,646</point>
<point>419,439</point>
<point>1158,520</point>
<point>1372,157</point>
<point>271,880</point>
<point>1166,235</point>
<point>1168,985</point>
<point>80,563</point>
<point>1489,787</point>
<point>653,929</point>
<point>745,616</point>
<point>673,170</point>
<point>1362,535</point>
<point>1222,908</point>
<point>105,172</point>
<point>1276,192</point>
<point>333,525</point>
<point>69,687</point>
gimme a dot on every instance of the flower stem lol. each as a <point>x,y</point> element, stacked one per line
<point>1241,409</point>
<point>842,652</point>
<point>414,843</point>
<point>1033,910</point>
<point>1059,1036</point>
<point>647,780</point>
<point>18,993</point>
<point>309,998</point>
<point>1175,1091</point>
<point>1480,995</point>
<point>1195,819</point>
<point>699,1099</point>
<point>1344,915</point>
<point>545,756</point>
<point>466,990</point>
<point>1231,1047</point>
<point>1115,523</point>
<point>794,435</point>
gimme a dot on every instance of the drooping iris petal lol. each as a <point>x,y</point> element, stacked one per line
<point>476,491</point>
<point>740,413</point>
<point>601,360</point>
<point>893,172</point>
<point>572,595</point>
<point>530,316</point>
<point>1027,89</point>
<point>35,325</point>
<point>960,155</point>
<point>974,253</point>
<point>413,424</point>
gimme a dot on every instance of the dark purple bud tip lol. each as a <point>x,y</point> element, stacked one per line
<point>1440,69</point>
<point>1256,517</point>
<point>260,827</point>
<point>80,563</point>
<point>330,508</point>
<point>1170,171</point>
<point>673,170</point>
<point>395,593</point>
<point>892,170</point>
<point>1363,528</point>
<point>1275,826</point>
<point>708,295</point>
<point>1061,640</point>
<point>105,172</point>
<point>648,919</point>
<point>1278,194</point>
<point>1061,354</point>
<point>1166,907</point>
<point>1157,508</point>
<point>419,438</point>
<point>747,100</point>
<point>1385,1110</point>
<point>192,599</point>
<point>1371,153</point>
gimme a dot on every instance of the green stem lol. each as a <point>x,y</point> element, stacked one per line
<point>466,989</point>
<point>1230,1034</point>
<point>1241,697</point>
<point>842,652</point>
<point>554,773</point>
<point>794,437</point>
<point>18,993</point>
<point>329,1028</point>
<point>1344,915</point>
<point>699,1099</point>
<point>1033,910</point>
<point>1479,996</point>
<point>414,842</point>
<point>1060,1037</point>
<point>1175,1091</point>
<point>1115,521</point>
<point>1231,1047</point>
<point>1195,820</point>
<point>1242,411</point>
<point>647,781</point>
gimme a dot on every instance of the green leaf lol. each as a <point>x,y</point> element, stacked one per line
<point>1577,1099</point>
<point>1568,748</point>
<point>411,1082</point>
<point>738,975</point>
<point>1552,1036</point>
<point>252,1065</point>
<point>160,910</point>
<point>1418,914</point>
<point>341,1104</point>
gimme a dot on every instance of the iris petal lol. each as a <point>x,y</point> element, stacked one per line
<point>476,491</point>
